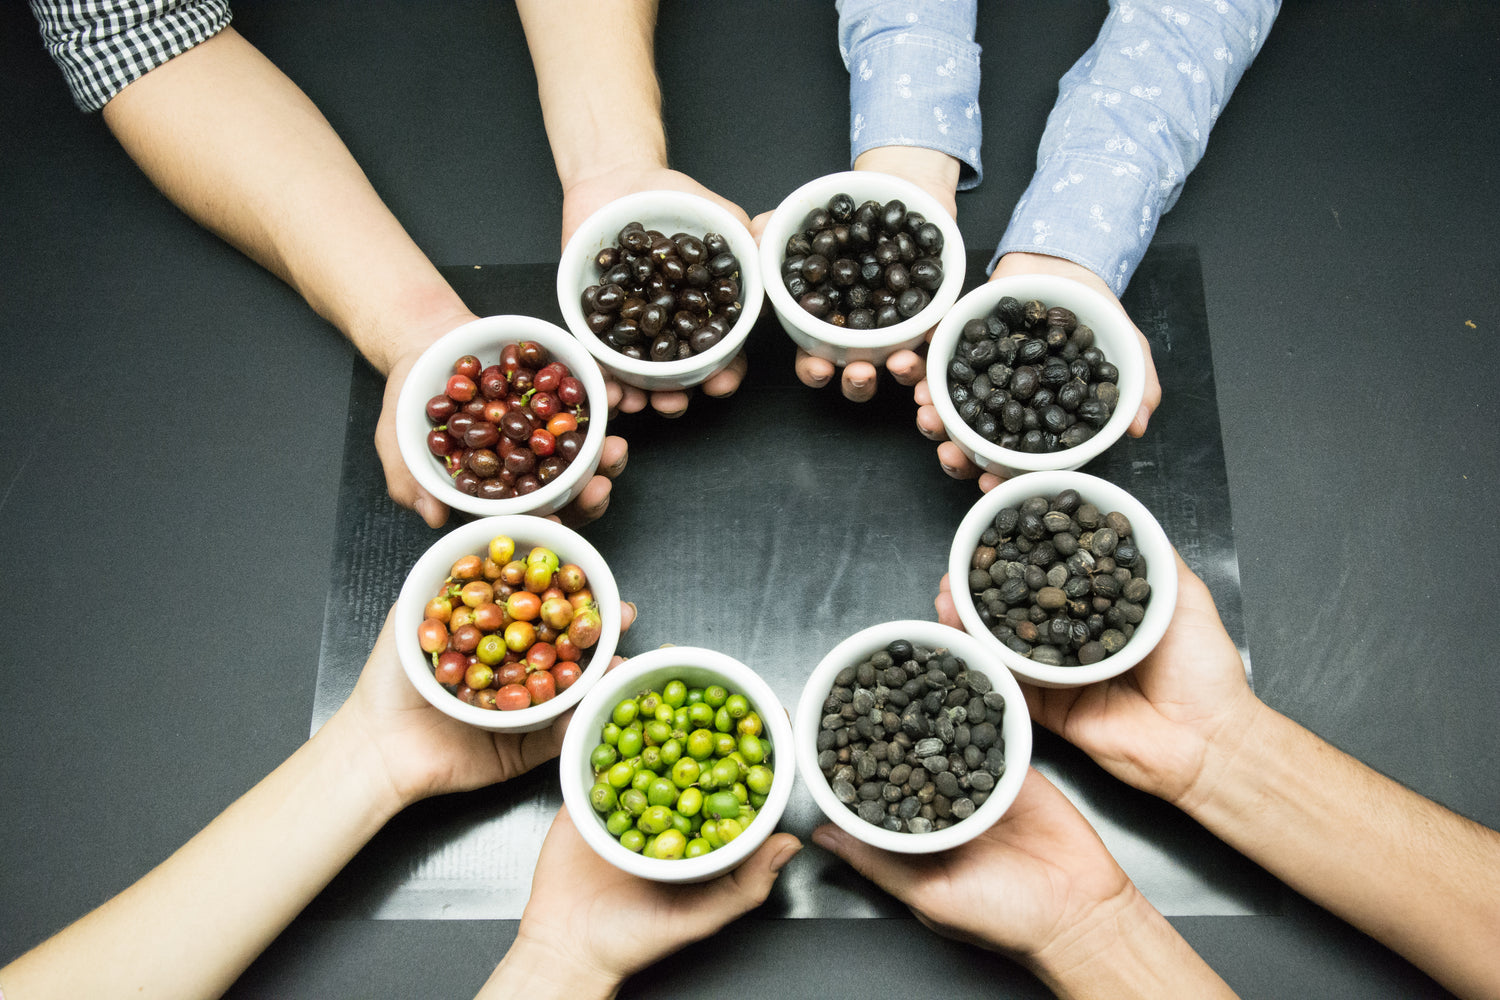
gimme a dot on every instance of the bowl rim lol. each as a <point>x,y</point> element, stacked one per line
<point>420,586</point>
<point>1015,728</point>
<point>573,761</point>
<point>789,214</point>
<point>1102,315</point>
<point>412,424</point>
<point>1151,538</point>
<point>642,206</point>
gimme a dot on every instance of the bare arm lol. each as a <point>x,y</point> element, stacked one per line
<point>596,79</point>
<point>195,922</point>
<point>1184,725</point>
<point>192,924</point>
<point>1411,874</point>
<point>234,142</point>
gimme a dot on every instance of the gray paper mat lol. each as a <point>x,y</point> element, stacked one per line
<point>771,525</point>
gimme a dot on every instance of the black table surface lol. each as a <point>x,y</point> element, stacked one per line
<point>171,426</point>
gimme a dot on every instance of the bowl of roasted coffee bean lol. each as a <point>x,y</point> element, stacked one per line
<point>912,736</point>
<point>662,287</point>
<point>1065,577</point>
<point>860,264</point>
<point>503,415</point>
<point>678,765</point>
<point>1035,372</point>
<point>506,622</point>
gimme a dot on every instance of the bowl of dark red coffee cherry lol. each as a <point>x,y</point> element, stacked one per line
<point>662,287</point>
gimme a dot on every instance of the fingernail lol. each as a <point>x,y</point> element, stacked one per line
<point>787,854</point>
<point>1143,415</point>
<point>858,383</point>
<point>827,837</point>
<point>633,609</point>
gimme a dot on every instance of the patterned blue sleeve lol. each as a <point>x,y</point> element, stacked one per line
<point>913,77</point>
<point>103,45</point>
<point>1131,121</point>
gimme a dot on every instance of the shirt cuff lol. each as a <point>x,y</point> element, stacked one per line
<point>1092,210</point>
<point>914,88</point>
<point>103,51</point>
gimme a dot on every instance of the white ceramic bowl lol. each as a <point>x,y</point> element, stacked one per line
<point>669,212</point>
<point>697,667</point>
<point>838,344</point>
<point>1015,729</point>
<point>1113,334</point>
<point>1150,539</point>
<point>427,576</point>
<point>484,338</point>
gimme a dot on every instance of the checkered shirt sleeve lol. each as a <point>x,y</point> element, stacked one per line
<point>102,45</point>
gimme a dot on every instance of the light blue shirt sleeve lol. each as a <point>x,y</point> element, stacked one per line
<point>913,77</point>
<point>1131,121</point>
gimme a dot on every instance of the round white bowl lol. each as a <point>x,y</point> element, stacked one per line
<point>697,667</point>
<point>1015,729</point>
<point>1113,334</point>
<point>484,338</point>
<point>838,344</point>
<point>1150,539</point>
<point>428,574</point>
<point>669,212</point>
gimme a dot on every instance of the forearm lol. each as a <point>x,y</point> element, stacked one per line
<point>913,90</point>
<point>236,145</point>
<point>192,925</point>
<point>539,975</point>
<point>1413,875</point>
<point>1126,950</point>
<point>596,80</point>
<point>1132,120</point>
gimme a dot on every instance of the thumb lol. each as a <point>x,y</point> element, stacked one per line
<point>745,888</point>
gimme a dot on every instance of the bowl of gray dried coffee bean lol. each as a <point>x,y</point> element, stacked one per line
<point>912,737</point>
<point>1065,577</point>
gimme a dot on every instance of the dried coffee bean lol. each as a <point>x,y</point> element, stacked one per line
<point>865,766</point>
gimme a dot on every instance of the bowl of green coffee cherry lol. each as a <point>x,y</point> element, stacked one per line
<point>678,764</point>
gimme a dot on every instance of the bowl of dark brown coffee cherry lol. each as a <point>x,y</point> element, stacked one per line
<point>662,287</point>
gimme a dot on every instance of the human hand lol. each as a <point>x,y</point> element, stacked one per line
<point>1034,883</point>
<point>423,751</point>
<point>593,925</point>
<point>954,462</point>
<point>591,192</point>
<point>407,492</point>
<point>937,174</point>
<point>1153,726</point>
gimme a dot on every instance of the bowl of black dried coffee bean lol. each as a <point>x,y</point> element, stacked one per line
<point>860,264</point>
<point>1065,577</point>
<point>1035,372</point>
<point>912,736</point>
<point>662,287</point>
